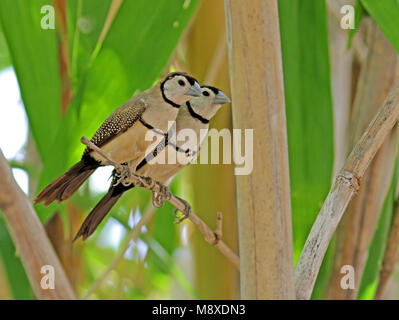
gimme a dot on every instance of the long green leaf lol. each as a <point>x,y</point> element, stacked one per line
<point>304,44</point>
<point>359,13</point>
<point>386,14</point>
<point>4,55</point>
<point>34,56</point>
<point>18,280</point>
<point>85,23</point>
<point>369,281</point>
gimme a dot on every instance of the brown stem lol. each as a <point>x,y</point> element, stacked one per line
<point>63,54</point>
<point>30,238</point>
<point>263,196</point>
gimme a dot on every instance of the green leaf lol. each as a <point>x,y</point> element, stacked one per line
<point>369,281</point>
<point>85,23</point>
<point>16,275</point>
<point>165,230</point>
<point>4,55</point>
<point>34,55</point>
<point>304,42</point>
<point>359,13</point>
<point>386,14</point>
<point>135,51</point>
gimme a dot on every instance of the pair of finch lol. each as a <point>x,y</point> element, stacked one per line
<point>178,99</point>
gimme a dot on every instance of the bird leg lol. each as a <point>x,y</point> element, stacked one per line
<point>123,176</point>
<point>159,198</point>
<point>186,212</point>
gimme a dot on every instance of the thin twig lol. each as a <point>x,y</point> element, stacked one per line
<point>218,232</point>
<point>180,204</point>
<point>31,240</point>
<point>391,256</point>
<point>342,191</point>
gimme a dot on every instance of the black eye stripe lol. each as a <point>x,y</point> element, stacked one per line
<point>191,80</point>
<point>214,90</point>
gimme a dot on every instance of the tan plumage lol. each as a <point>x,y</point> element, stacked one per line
<point>122,135</point>
<point>193,115</point>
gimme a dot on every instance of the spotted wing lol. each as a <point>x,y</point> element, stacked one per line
<point>118,122</point>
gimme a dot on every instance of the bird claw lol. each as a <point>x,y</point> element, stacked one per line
<point>123,176</point>
<point>159,198</point>
<point>186,212</point>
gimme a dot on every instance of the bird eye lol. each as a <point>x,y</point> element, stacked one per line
<point>181,82</point>
<point>206,93</point>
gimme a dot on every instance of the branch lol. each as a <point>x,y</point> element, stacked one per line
<point>180,204</point>
<point>30,237</point>
<point>346,185</point>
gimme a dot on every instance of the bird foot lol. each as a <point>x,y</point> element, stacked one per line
<point>159,198</point>
<point>123,176</point>
<point>186,212</point>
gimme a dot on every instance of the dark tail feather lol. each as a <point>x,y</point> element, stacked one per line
<point>66,185</point>
<point>100,210</point>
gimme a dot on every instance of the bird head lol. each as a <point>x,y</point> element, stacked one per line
<point>209,102</point>
<point>179,87</point>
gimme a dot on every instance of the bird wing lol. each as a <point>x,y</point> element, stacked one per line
<point>118,122</point>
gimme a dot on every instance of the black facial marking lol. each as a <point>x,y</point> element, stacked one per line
<point>163,92</point>
<point>214,90</point>
<point>194,114</point>
<point>205,93</point>
<point>181,83</point>
<point>191,80</point>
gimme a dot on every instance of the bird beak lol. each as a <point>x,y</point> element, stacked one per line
<point>221,98</point>
<point>195,90</point>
